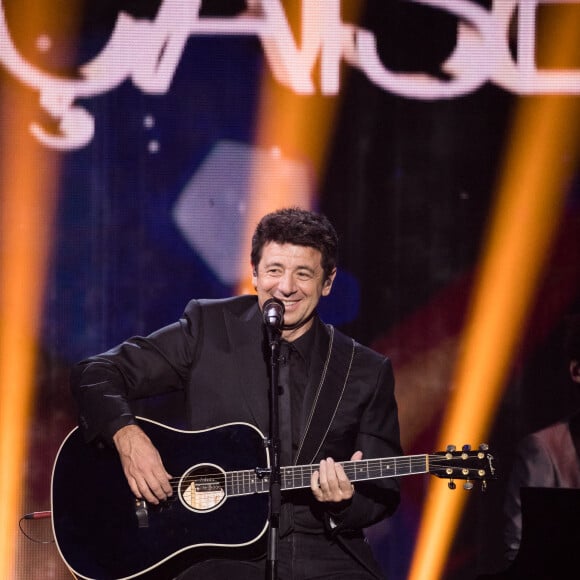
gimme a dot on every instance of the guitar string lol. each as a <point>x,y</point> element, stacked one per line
<point>372,465</point>
<point>371,469</point>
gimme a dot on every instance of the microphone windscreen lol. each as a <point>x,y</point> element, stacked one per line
<point>273,312</point>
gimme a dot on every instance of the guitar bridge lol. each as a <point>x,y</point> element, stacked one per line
<point>142,513</point>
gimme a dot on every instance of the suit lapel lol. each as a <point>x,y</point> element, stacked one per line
<point>329,370</point>
<point>332,356</point>
<point>245,334</point>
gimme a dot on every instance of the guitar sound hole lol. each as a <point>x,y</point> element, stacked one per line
<point>202,488</point>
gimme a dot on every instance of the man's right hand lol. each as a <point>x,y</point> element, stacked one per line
<point>142,465</point>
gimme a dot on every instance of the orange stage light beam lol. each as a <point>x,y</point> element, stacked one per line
<point>26,216</point>
<point>538,168</point>
<point>290,126</point>
<point>28,175</point>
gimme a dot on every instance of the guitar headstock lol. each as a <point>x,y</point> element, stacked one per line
<point>467,464</point>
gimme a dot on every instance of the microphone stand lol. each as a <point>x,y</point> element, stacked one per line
<point>274,446</point>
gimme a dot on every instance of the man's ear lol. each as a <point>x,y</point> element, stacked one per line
<point>575,370</point>
<point>255,277</point>
<point>327,284</point>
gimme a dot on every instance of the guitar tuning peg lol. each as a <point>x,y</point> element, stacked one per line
<point>483,447</point>
<point>451,448</point>
<point>466,448</point>
<point>468,485</point>
<point>451,484</point>
<point>483,485</point>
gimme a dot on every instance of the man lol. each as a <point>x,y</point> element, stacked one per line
<point>547,458</point>
<point>340,401</point>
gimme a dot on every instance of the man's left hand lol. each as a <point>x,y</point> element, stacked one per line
<point>330,483</point>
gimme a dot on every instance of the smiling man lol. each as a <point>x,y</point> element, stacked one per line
<point>295,263</point>
<point>339,405</point>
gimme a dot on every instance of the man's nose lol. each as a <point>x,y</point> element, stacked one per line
<point>286,284</point>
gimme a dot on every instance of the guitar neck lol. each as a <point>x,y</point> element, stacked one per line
<point>298,476</point>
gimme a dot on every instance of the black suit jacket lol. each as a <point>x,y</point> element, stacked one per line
<point>217,354</point>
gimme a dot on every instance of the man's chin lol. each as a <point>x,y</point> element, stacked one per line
<point>296,322</point>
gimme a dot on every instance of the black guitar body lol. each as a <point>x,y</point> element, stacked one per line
<point>219,505</point>
<point>103,534</point>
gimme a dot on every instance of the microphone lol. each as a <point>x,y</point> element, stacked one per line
<point>273,312</point>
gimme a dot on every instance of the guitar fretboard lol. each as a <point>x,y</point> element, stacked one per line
<point>298,476</point>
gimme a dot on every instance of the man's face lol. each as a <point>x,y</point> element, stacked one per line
<point>294,275</point>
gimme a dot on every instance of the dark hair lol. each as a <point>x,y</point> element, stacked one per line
<point>299,227</point>
<point>572,338</point>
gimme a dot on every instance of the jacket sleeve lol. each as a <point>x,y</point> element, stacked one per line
<point>103,385</point>
<point>378,437</point>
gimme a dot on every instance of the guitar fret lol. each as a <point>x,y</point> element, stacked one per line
<point>386,467</point>
<point>241,482</point>
<point>296,477</point>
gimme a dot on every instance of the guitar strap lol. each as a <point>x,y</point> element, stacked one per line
<point>330,391</point>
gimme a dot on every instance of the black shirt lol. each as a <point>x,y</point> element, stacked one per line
<point>300,511</point>
<point>294,376</point>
